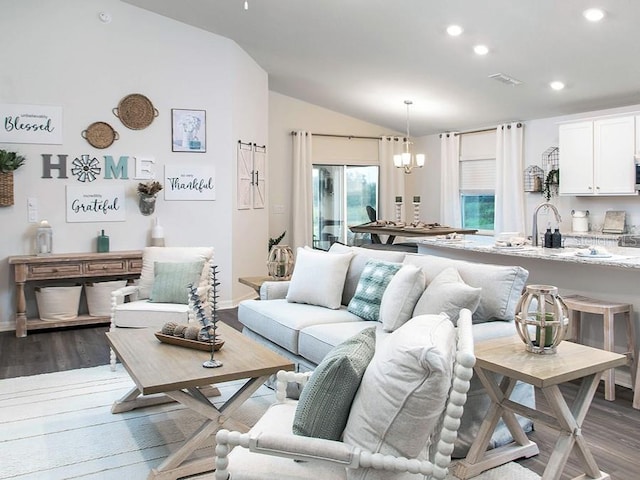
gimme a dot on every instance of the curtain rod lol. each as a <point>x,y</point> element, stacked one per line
<point>340,136</point>
<point>518,125</point>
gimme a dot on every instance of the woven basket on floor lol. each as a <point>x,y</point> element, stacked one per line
<point>6,189</point>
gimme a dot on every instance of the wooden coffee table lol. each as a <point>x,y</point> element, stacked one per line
<point>508,357</point>
<point>164,372</point>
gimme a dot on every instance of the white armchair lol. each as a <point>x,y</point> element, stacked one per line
<point>143,311</point>
<point>265,452</point>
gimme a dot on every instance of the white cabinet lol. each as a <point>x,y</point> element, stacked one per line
<point>597,157</point>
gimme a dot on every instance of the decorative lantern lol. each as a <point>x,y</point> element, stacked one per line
<point>280,262</point>
<point>541,318</point>
<point>44,239</point>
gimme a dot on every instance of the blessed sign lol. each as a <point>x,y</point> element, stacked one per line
<point>95,204</point>
<point>189,182</point>
<point>30,124</point>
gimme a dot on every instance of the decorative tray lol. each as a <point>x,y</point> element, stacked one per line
<point>135,111</point>
<point>183,342</point>
<point>100,134</point>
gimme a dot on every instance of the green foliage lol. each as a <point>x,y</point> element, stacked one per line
<point>10,161</point>
<point>553,178</point>
<point>276,241</point>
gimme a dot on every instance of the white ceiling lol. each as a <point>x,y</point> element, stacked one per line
<point>363,58</point>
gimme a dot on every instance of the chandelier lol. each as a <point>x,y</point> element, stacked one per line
<point>406,160</point>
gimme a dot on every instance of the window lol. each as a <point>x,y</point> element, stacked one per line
<point>477,180</point>
<point>341,194</point>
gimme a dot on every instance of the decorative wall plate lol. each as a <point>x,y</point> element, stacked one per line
<point>135,111</point>
<point>100,134</point>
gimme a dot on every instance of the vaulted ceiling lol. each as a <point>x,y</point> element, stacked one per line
<point>363,58</point>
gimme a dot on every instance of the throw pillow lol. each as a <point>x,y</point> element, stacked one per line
<point>400,297</point>
<point>171,280</point>
<point>318,278</point>
<point>449,294</point>
<point>403,392</point>
<point>374,280</point>
<point>325,401</point>
<point>360,257</point>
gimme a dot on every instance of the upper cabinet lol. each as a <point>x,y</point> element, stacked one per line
<point>597,157</point>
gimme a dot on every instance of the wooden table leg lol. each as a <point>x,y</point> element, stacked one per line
<point>478,459</point>
<point>180,464</point>
<point>20,273</point>
<point>570,423</point>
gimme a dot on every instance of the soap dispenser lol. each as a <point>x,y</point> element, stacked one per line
<point>548,240</point>
<point>103,243</point>
<point>556,239</point>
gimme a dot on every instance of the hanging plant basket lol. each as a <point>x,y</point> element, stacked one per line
<point>6,189</point>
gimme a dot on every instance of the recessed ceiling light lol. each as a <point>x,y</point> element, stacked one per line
<point>481,49</point>
<point>454,30</point>
<point>557,85</point>
<point>593,14</point>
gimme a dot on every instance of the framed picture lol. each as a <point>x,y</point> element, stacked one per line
<point>188,130</point>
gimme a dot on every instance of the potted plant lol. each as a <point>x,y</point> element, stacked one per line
<point>9,161</point>
<point>147,196</point>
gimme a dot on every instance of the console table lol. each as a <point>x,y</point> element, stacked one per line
<point>85,266</point>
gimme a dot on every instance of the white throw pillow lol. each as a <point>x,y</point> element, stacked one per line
<point>403,392</point>
<point>318,278</point>
<point>448,293</point>
<point>400,297</point>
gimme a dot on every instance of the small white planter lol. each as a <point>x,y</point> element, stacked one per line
<point>99,296</point>
<point>58,303</point>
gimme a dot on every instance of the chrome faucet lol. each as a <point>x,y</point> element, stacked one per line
<point>534,230</point>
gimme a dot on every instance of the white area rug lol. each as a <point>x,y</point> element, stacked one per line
<point>60,426</point>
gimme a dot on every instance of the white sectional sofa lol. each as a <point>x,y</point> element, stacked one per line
<point>305,332</point>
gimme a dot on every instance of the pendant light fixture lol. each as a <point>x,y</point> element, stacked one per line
<point>406,159</point>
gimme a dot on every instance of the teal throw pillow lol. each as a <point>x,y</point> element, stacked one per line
<point>171,280</point>
<point>325,401</point>
<point>375,277</point>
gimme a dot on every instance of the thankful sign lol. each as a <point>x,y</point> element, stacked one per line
<point>95,204</point>
<point>189,182</point>
<point>30,124</point>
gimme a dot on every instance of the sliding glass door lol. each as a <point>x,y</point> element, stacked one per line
<point>341,194</point>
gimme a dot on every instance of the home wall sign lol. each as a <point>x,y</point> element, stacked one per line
<point>189,182</point>
<point>87,168</point>
<point>30,124</point>
<point>95,203</point>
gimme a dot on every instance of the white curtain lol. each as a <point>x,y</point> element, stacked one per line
<point>302,190</point>
<point>509,197</point>
<point>391,179</point>
<point>450,186</point>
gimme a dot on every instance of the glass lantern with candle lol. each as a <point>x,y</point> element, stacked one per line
<point>541,318</point>
<point>44,239</point>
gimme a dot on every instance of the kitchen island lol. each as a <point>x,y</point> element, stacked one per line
<point>615,278</point>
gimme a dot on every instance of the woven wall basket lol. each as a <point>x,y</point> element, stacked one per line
<point>6,189</point>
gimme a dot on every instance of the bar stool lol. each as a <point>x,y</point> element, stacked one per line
<point>577,305</point>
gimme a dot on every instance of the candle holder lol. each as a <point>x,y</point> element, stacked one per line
<point>543,327</point>
<point>416,209</point>
<point>398,209</point>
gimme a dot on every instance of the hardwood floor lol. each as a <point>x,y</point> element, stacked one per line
<point>612,429</point>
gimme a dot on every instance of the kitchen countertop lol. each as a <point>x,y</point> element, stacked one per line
<point>621,257</point>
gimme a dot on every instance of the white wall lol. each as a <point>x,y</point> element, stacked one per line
<point>539,135</point>
<point>61,54</point>
<point>542,134</point>
<point>287,114</point>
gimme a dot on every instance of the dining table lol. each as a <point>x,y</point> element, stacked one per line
<point>377,228</point>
